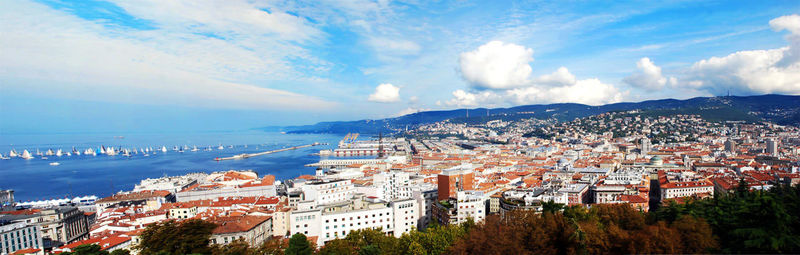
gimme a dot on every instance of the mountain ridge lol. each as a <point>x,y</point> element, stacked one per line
<point>781,109</point>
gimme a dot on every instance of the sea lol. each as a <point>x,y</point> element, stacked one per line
<point>102,175</point>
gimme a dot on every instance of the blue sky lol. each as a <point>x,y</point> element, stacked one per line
<point>71,66</point>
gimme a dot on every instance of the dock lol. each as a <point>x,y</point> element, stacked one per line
<point>249,155</point>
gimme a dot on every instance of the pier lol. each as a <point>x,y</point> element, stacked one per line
<point>249,155</point>
<point>338,163</point>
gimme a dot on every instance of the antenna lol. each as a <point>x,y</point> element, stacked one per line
<point>380,144</point>
<point>467,113</point>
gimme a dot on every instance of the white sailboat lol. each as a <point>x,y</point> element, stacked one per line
<point>59,153</point>
<point>39,153</point>
<point>89,151</point>
<point>163,148</point>
<point>194,148</point>
<point>49,152</point>
<point>220,147</point>
<point>26,155</point>
<point>1,156</point>
<point>69,154</point>
<point>13,154</point>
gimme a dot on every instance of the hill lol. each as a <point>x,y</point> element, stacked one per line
<point>781,109</point>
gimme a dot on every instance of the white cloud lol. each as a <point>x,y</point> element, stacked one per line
<point>755,71</point>
<point>413,100</point>
<point>497,65</point>
<point>560,77</point>
<point>385,93</point>
<point>648,77</point>
<point>588,91</point>
<point>410,110</point>
<point>61,55</point>
<point>394,46</point>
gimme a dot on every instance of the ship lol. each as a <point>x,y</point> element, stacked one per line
<point>26,155</point>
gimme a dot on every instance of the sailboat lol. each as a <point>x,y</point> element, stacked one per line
<point>102,149</point>
<point>59,153</point>
<point>39,153</point>
<point>163,148</point>
<point>75,151</point>
<point>1,156</point>
<point>49,152</point>
<point>13,153</point>
<point>90,151</point>
<point>194,148</point>
<point>26,155</point>
<point>220,147</point>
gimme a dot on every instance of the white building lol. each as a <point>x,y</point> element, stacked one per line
<point>19,235</point>
<point>470,204</point>
<point>333,221</point>
<point>323,192</point>
<point>392,185</point>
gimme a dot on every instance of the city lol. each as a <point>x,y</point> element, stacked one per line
<point>439,174</point>
<point>353,127</point>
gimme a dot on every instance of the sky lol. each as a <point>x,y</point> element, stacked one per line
<point>155,65</point>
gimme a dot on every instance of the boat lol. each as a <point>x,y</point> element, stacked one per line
<point>147,155</point>
<point>194,148</point>
<point>39,153</point>
<point>89,151</point>
<point>26,155</point>
<point>13,153</point>
<point>59,153</point>
<point>69,154</point>
<point>102,149</point>
<point>44,158</point>
<point>230,146</point>
<point>76,152</point>
<point>163,148</point>
<point>1,156</point>
<point>220,147</point>
<point>54,163</point>
<point>49,152</point>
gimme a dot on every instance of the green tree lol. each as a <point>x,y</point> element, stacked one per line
<point>298,245</point>
<point>171,237</point>
<point>87,249</point>
<point>121,252</point>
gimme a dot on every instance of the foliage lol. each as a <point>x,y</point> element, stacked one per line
<point>87,249</point>
<point>298,245</point>
<point>603,229</point>
<point>171,237</point>
<point>747,221</point>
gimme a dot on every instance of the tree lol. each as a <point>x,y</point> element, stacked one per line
<point>121,252</point>
<point>298,245</point>
<point>87,249</point>
<point>171,237</point>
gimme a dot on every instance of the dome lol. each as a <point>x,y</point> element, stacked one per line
<point>656,161</point>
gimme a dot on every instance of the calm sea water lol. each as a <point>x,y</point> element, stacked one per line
<point>103,175</point>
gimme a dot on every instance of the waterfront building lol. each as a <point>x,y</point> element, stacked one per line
<point>20,235</point>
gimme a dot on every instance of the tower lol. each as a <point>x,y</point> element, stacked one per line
<point>380,144</point>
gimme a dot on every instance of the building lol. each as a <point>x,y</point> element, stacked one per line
<point>466,205</point>
<point>321,192</point>
<point>676,184</point>
<point>645,146</point>
<point>149,200</point>
<point>220,190</point>
<point>254,230</point>
<point>172,184</point>
<point>6,198</point>
<point>332,221</point>
<point>772,147</point>
<point>730,146</point>
<point>392,185</point>
<point>63,224</point>
<point>455,179</point>
<point>19,235</point>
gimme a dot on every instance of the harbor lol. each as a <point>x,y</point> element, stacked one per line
<point>249,155</point>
